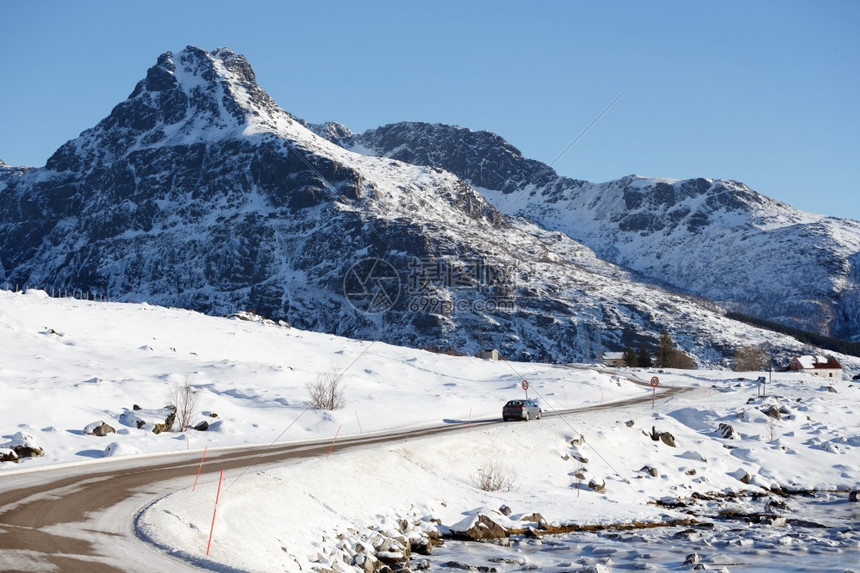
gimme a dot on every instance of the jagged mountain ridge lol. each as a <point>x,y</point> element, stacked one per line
<point>712,238</point>
<point>199,191</point>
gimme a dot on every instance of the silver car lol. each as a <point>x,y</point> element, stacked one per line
<point>521,410</point>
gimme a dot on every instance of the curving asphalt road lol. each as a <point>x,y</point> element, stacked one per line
<point>81,517</point>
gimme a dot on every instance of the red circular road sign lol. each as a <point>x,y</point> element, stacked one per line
<point>525,384</point>
<point>655,381</point>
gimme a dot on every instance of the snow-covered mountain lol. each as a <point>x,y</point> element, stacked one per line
<point>717,239</point>
<point>199,191</point>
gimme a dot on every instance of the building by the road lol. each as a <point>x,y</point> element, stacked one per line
<point>824,366</point>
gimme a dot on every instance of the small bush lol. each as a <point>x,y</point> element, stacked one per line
<point>184,398</point>
<point>326,392</point>
<point>494,477</point>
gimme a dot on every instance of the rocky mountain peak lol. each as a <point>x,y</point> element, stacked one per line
<point>483,158</point>
<point>186,98</point>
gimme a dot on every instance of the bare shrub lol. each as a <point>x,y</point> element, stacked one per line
<point>682,361</point>
<point>184,398</point>
<point>749,359</point>
<point>771,427</point>
<point>326,392</point>
<point>494,476</point>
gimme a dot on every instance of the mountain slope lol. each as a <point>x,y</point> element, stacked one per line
<point>712,238</point>
<point>199,191</point>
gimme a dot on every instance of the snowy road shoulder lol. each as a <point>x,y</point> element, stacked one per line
<point>317,511</point>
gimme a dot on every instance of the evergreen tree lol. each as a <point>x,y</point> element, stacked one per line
<point>666,350</point>
<point>629,356</point>
<point>644,358</point>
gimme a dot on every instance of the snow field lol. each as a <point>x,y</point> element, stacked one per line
<point>74,363</point>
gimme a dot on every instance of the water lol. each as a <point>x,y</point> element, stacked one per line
<point>791,541</point>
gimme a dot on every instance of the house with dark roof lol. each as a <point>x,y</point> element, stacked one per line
<point>824,366</point>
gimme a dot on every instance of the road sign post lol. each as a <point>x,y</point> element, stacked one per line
<point>525,386</point>
<point>762,386</point>
<point>654,383</point>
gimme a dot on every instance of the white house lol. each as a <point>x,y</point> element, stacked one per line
<point>488,354</point>
<point>614,359</point>
<point>824,366</point>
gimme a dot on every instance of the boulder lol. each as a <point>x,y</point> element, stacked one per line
<point>652,471</point>
<point>99,429</point>
<point>533,517</point>
<point>727,431</point>
<point>103,430</point>
<point>421,545</point>
<point>664,437</point>
<point>667,439</point>
<point>598,487</point>
<point>8,455</point>
<point>364,562</point>
<point>202,426</point>
<point>24,445</point>
<point>169,421</point>
<point>854,496</point>
<point>28,451</point>
<point>505,510</point>
<point>776,506</point>
<point>772,412</point>
<point>485,527</point>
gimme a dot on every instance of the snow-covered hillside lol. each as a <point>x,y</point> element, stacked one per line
<point>69,364</point>
<point>713,238</point>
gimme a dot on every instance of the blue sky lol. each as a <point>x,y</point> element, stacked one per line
<point>761,92</point>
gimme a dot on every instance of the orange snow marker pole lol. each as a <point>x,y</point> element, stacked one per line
<point>359,423</point>
<point>200,467</point>
<point>214,511</point>
<point>332,442</point>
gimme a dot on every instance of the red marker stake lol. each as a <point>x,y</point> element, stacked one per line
<point>214,511</point>
<point>359,423</point>
<point>200,467</point>
<point>332,442</point>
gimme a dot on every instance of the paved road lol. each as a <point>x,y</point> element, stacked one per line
<point>80,518</point>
